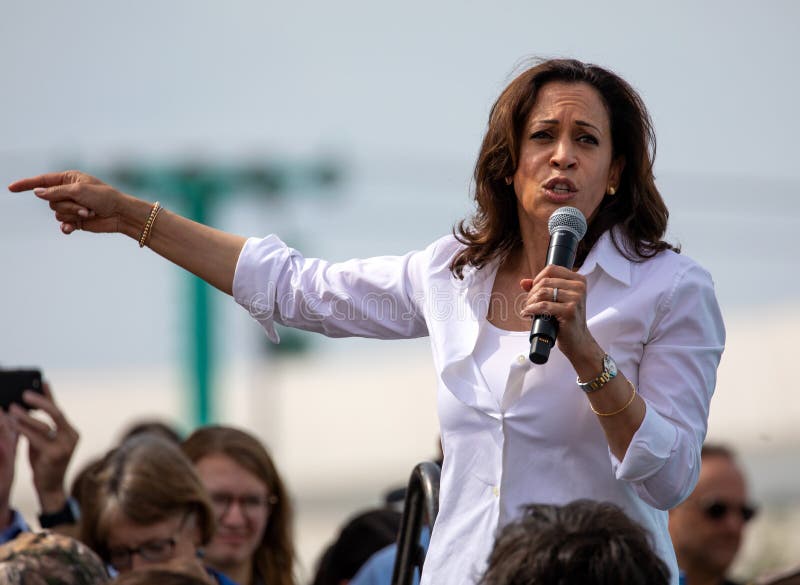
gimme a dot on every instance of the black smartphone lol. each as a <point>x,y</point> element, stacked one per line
<point>14,382</point>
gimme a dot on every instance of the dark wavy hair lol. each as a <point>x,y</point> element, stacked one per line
<point>637,208</point>
<point>587,542</point>
<point>273,560</point>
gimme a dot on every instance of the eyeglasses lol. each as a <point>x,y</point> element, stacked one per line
<point>717,510</point>
<point>250,504</point>
<point>154,551</point>
<point>157,550</point>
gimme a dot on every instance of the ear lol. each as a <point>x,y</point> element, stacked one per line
<point>615,171</point>
<point>197,536</point>
<point>194,531</point>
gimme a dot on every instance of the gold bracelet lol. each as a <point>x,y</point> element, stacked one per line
<point>627,404</point>
<point>148,226</point>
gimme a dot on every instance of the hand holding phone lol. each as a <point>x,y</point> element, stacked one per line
<point>50,436</point>
<point>14,382</point>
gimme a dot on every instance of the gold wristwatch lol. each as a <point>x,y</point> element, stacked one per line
<point>609,371</point>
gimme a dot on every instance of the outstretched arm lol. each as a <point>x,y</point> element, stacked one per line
<point>82,202</point>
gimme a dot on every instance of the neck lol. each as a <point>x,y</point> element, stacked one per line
<point>529,259</point>
<point>532,255</point>
<point>6,516</point>
<point>698,576</point>
<point>241,573</point>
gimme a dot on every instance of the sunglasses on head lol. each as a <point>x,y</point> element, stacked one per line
<point>719,510</point>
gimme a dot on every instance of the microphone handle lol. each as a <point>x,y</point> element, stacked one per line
<point>544,329</point>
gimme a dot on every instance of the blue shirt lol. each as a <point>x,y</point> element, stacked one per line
<point>379,567</point>
<point>221,578</point>
<point>17,526</point>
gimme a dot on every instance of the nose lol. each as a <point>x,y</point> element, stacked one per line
<point>563,156</point>
<point>139,562</point>
<point>233,515</point>
<point>734,523</point>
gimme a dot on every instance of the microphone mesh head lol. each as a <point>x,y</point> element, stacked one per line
<point>567,218</point>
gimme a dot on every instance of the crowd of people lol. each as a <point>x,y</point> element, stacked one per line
<point>212,508</point>
<point>211,505</point>
<point>609,430</point>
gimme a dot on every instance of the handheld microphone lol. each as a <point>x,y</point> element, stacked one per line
<point>567,227</point>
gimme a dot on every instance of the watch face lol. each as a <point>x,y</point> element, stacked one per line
<point>610,365</point>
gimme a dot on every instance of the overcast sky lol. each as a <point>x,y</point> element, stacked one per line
<point>398,91</point>
<point>412,79</point>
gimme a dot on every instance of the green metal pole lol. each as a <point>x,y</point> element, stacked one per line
<point>201,357</point>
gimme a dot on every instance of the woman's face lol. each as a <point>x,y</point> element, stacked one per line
<point>241,504</point>
<point>565,153</point>
<point>133,546</point>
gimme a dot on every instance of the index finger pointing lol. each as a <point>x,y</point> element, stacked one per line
<point>46,180</point>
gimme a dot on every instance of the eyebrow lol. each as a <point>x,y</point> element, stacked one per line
<point>577,122</point>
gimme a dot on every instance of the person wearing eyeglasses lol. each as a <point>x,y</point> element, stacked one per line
<point>707,528</point>
<point>253,542</point>
<point>147,508</point>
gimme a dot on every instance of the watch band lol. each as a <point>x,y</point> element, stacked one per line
<point>69,514</point>
<point>608,373</point>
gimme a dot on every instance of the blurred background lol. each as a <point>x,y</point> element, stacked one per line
<point>351,129</point>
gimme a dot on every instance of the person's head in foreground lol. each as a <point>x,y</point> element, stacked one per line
<point>581,543</point>
<point>361,536</point>
<point>160,577</point>
<point>707,528</point>
<point>147,507</point>
<point>253,541</point>
<point>47,558</point>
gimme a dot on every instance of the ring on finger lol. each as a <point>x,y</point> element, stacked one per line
<point>52,434</point>
<point>555,295</point>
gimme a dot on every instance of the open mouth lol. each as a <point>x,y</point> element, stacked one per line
<point>232,538</point>
<point>560,186</point>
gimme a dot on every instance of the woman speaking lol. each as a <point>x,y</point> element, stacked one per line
<point>619,411</point>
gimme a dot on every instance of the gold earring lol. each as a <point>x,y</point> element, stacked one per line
<point>509,180</point>
<point>612,191</point>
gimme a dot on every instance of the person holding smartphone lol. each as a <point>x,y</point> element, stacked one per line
<point>50,449</point>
